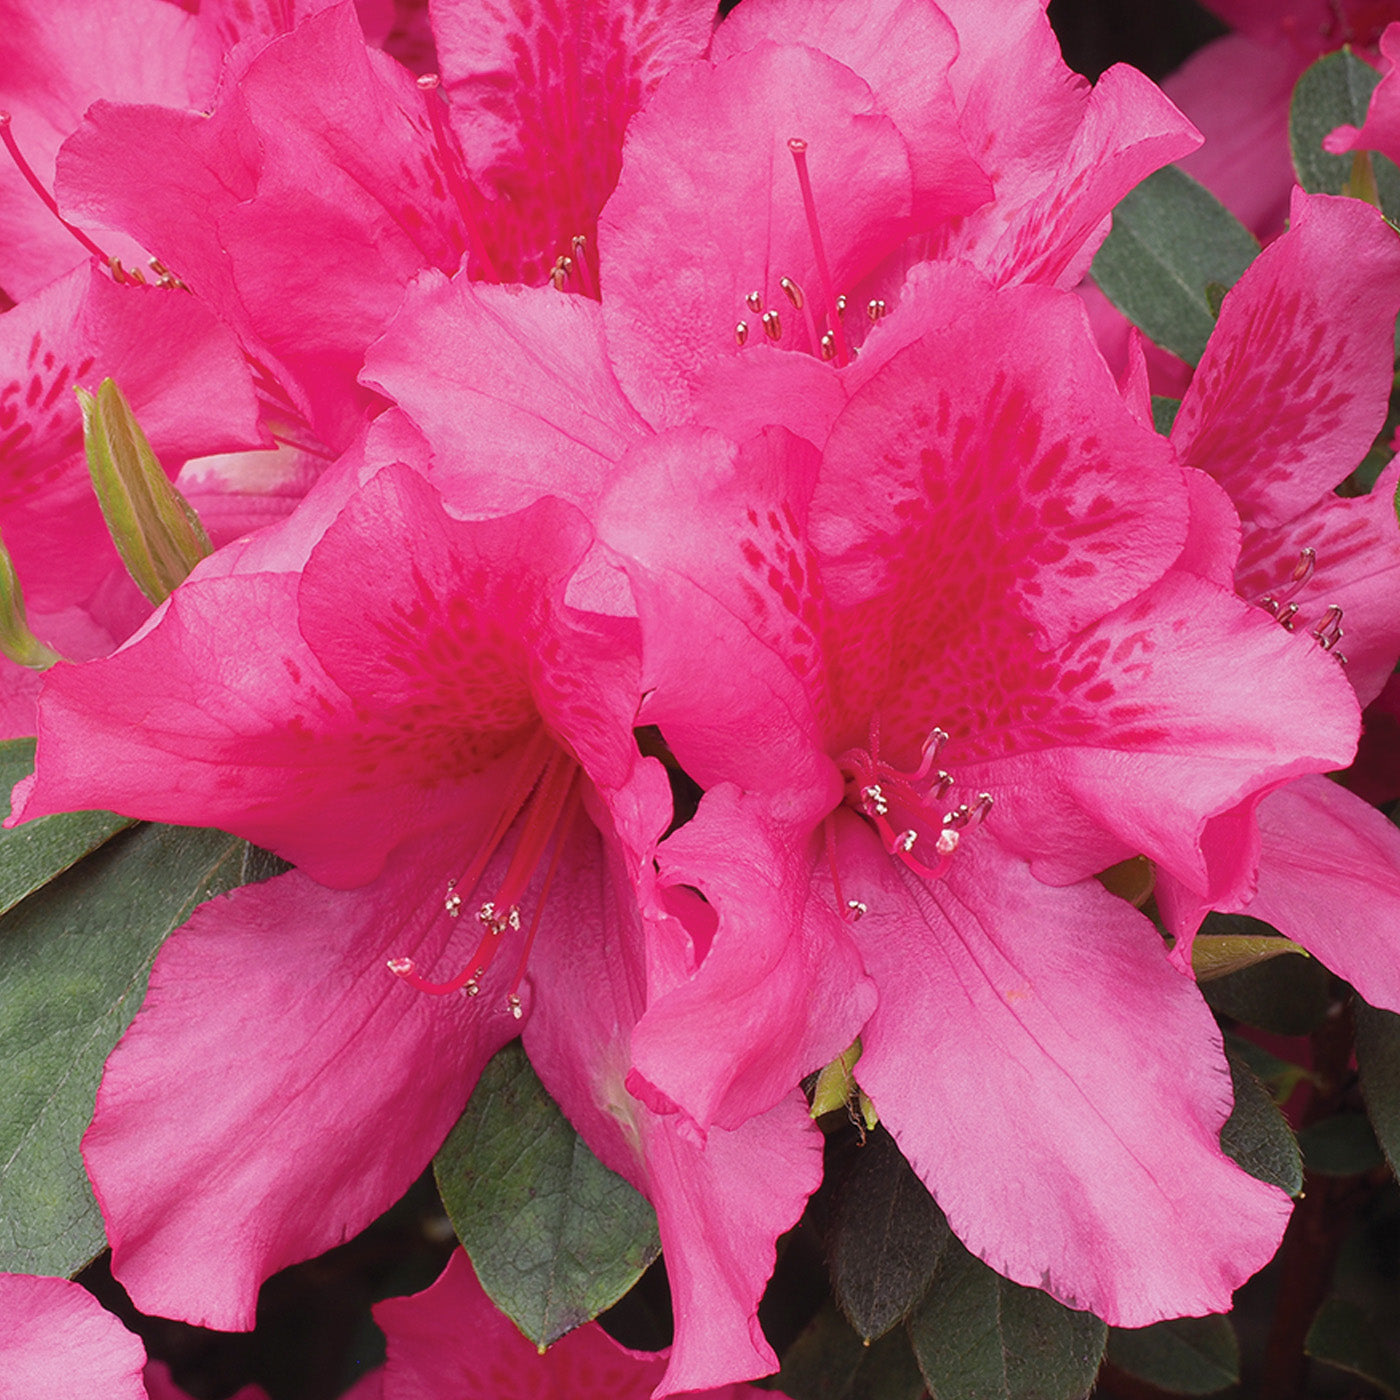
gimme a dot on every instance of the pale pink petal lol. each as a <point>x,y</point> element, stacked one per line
<point>709,209</point>
<point>59,1343</point>
<point>540,101</point>
<point>517,398</point>
<point>779,991</point>
<point>322,1085</point>
<point>1356,544</point>
<point>1294,384</point>
<point>903,49</point>
<point>1237,91</point>
<point>1059,1088</point>
<point>1329,878</point>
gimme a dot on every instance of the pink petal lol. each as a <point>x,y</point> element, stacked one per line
<point>56,59</point>
<point>1357,549</point>
<point>518,398</point>
<point>60,1344</point>
<point>1237,92</point>
<point>1057,1086</point>
<point>280,995</point>
<point>1212,547</point>
<point>1329,878</point>
<point>708,209</point>
<point>451,1340</point>
<point>1161,727</point>
<point>1294,384</point>
<point>1381,130</point>
<point>903,50</point>
<point>721,1199</point>
<point>540,101</point>
<point>779,992</point>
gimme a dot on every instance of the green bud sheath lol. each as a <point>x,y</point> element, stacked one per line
<point>1218,954</point>
<point>157,534</point>
<point>16,640</point>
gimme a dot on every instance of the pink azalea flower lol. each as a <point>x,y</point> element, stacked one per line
<point>450,1343</point>
<point>59,1343</point>
<point>989,545</point>
<point>423,707</point>
<point>1291,392</point>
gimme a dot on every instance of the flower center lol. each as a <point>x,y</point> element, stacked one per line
<point>906,808</point>
<point>543,796</point>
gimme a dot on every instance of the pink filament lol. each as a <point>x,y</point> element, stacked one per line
<point>798,147</point>
<point>26,170</point>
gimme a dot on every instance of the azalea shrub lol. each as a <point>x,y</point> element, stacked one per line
<point>704,702</point>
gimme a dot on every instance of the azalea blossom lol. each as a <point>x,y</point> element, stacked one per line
<point>987,574</point>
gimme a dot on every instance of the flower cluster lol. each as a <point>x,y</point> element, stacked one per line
<point>682,587</point>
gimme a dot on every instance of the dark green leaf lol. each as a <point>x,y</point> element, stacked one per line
<point>1335,91</point>
<point>979,1336</point>
<point>32,854</point>
<point>1279,1076</point>
<point>1342,1145</point>
<point>829,1361</point>
<point>883,1238</point>
<point>1289,995</point>
<point>1188,1355</point>
<point>74,959</point>
<point>1342,1335</point>
<point>1164,411</point>
<point>1256,1134</point>
<point>555,1237</point>
<point>1171,240</point>
<point>1378,1059</point>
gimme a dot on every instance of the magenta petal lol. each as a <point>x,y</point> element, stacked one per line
<point>709,209</point>
<point>59,1343</point>
<point>1329,878</point>
<point>721,1199</point>
<point>1381,131</point>
<point>1294,384</point>
<point>1163,725</point>
<point>280,996</point>
<point>451,1340</point>
<point>517,398</point>
<point>1059,1088</point>
<point>780,990</point>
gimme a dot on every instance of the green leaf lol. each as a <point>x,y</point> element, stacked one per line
<point>1342,1335</point>
<point>1256,1134</point>
<point>1335,91</point>
<point>1171,240</point>
<point>32,854</point>
<point>1164,411</point>
<point>884,1237</point>
<point>829,1361</point>
<point>1342,1145</point>
<point>979,1336</point>
<point>1187,1355</point>
<point>554,1236</point>
<point>1280,1077</point>
<point>1289,996</point>
<point>74,959</point>
<point>1378,1059</point>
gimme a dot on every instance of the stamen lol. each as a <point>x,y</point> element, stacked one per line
<point>755,302</point>
<point>873,799</point>
<point>828,344</point>
<point>453,903</point>
<point>559,273</point>
<point>772,326</point>
<point>841,304</point>
<point>798,147</point>
<point>428,84</point>
<point>875,309</point>
<point>741,334</point>
<point>796,296</point>
<point>1328,632</point>
<point>580,260</point>
<point>25,169</point>
<point>1272,603</point>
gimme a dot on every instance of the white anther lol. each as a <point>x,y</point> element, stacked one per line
<point>453,905</point>
<point>772,325</point>
<point>513,1002</point>
<point>755,302</point>
<point>741,333</point>
<point>905,841</point>
<point>874,799</point>
<point>947,842</point>
<point>856,909</point>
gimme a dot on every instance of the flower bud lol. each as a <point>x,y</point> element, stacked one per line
<point>1219,954</point>
<point>16,640</point>
<point>157,533</point>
